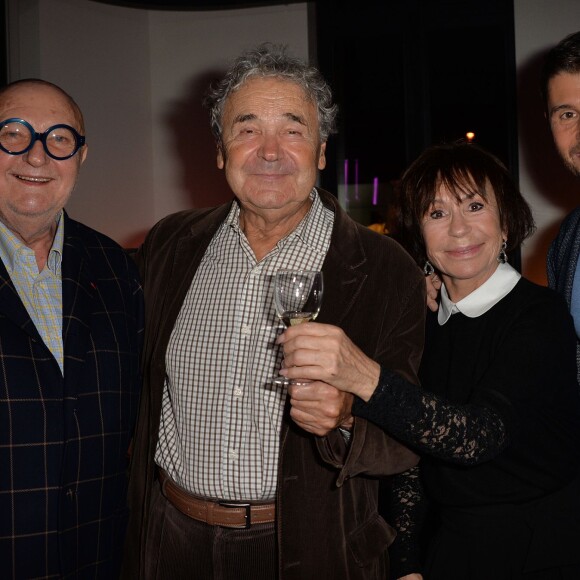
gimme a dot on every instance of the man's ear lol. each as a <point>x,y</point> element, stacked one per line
<point>83,153</point>
<point>322,156</point>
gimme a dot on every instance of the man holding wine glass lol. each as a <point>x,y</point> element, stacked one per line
<point>227,481</point>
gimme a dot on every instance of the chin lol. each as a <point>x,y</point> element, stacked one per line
<point>270,199</point>
<point>574,168</point>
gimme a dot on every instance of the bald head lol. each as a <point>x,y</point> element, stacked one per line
<point>8,90</point>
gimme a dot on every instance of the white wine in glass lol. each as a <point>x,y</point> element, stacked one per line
<point>297,297</point>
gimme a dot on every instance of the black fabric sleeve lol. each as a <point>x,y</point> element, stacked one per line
<point>463,434</point>
<point>408,507</point>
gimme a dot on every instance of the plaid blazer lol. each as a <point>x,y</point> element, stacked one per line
<point>64,441</point>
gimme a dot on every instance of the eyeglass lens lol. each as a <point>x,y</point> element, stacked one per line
<point>16,138</point>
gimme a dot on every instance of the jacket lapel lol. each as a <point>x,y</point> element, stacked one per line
<point>343,273</point>
<point>189,251</point>
<point>78,294</point>
<point>12,308</point>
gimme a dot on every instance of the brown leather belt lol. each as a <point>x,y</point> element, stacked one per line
<point>216,513</point>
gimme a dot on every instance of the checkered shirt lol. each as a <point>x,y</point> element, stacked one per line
<point>40,292</point>
<point>221,413</point>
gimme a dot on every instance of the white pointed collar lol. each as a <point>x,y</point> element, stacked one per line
<point>482,299</point>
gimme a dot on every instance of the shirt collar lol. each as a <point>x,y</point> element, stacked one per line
<point>10,245</point>
<point>54,261</point>
<point>307,230</point>
<point>482,299</point>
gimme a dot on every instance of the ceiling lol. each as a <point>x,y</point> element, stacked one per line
<point>194,4</point>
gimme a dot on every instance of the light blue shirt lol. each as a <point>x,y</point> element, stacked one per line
<point>40,292</point>
<point>575,299</point>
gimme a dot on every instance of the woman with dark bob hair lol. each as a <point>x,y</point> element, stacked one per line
<point>497,419</point>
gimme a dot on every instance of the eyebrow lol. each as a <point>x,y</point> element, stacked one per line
<point>295,118</point>
<point>462,197</point>
<point>561,108</point>
<point>245,117</point>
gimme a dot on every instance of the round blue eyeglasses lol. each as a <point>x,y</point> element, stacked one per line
<point>60,141</point>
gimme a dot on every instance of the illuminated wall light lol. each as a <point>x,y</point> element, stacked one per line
<point>470,135</point>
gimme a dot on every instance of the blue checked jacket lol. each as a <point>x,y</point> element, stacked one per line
<point>64,441</point>
<point>562,260</point>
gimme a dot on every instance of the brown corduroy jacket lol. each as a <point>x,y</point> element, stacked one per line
<point>328,525</point>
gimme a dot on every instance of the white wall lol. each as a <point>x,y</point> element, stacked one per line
<point>188,51</point>
<point>550,189</point>
<point>138,76</point>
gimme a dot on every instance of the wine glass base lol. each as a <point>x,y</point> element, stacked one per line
<point>285,382</point>
<point>281,381</point>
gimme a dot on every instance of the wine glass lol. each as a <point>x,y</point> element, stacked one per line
<point>297,297</point>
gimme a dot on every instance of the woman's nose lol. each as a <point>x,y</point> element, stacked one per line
<point>458,225</point>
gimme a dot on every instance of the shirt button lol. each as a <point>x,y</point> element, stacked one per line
<point>233,455</point>
<point>246,329</point>
<point>238,392</point>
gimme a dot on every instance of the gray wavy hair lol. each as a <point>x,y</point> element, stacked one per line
<point>271,60</point>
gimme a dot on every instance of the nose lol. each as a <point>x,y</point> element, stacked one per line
<point>458,225</point>
<point>36,156</point>
<point>270,148</point>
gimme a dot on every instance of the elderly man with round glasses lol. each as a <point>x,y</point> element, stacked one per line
<point>70,322</point>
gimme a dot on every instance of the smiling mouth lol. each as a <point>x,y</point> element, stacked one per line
<point>32,179</point>
<point>270,174</point>
<point>464,251</point>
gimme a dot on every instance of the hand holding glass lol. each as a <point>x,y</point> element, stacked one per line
<point>297,297</point>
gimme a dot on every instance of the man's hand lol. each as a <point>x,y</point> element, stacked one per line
<point>322,352</point>
<point>319,408</point>
<point>433,284</point>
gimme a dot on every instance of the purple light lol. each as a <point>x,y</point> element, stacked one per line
<point>356,179</point>
<point>375,190</point>
<point>346,180</point>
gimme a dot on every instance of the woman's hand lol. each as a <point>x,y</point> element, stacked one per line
<point>413,576</point>
<point>323,352</point>
<point>433,284</point>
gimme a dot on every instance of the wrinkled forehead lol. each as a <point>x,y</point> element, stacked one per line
<point>260,91</point>
<point>40,105</point>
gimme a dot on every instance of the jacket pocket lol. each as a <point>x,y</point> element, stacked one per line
<point>370,540</point>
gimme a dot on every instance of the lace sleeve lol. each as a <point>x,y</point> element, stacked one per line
<point>407,509</point>
<point>464,434</point>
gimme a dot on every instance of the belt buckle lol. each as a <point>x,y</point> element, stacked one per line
<point>247,515</point>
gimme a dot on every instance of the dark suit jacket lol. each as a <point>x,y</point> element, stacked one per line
<point>562,260</point>
<point>327,519</point>
<point>64,441</point>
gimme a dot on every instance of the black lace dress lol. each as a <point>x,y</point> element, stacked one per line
<point>497,423</point>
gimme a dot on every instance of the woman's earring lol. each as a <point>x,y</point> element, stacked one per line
<point>502,258</point>
<point>428,268</point>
